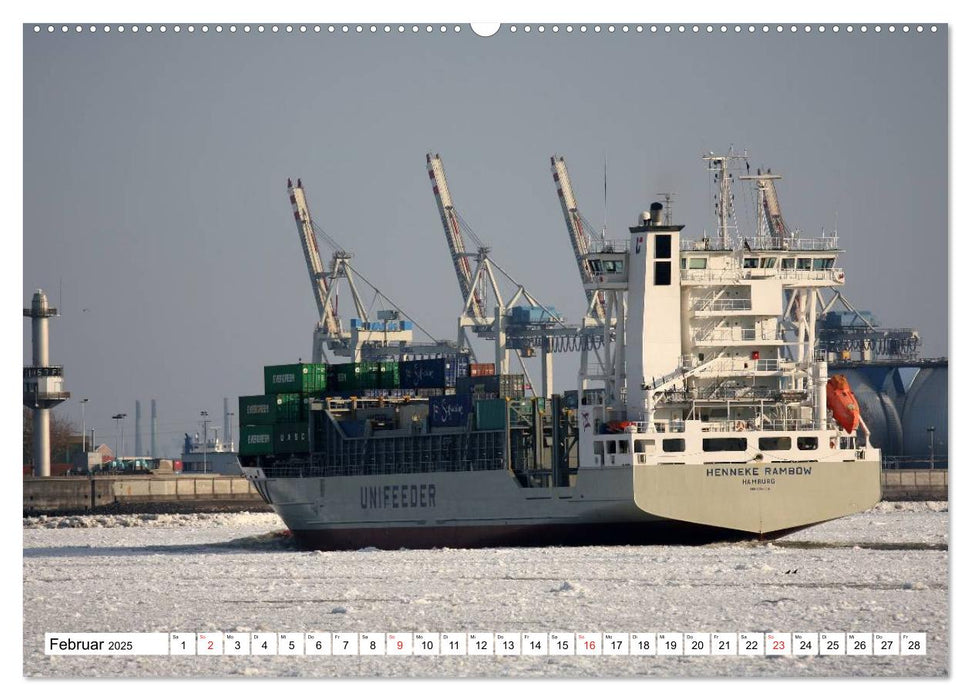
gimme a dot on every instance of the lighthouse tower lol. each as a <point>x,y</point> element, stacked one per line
<point>43,382</point>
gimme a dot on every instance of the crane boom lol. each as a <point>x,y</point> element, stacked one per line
<point>311,253</point>
<point>578,237</point>
<point>453,234</point>
<point>773,211</point>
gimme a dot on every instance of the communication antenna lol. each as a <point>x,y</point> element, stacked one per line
<point>668,198</point>
<point>603,230</point>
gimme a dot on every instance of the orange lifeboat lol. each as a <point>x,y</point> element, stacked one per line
<point>841,401</point>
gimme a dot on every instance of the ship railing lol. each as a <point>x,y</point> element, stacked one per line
<point>711,275</point>
<point>834,274</point>
<point>734,334</point>
<point>610,245</point>
<point>739,364</point>
<point>707,244</point>
<point>710,304</point>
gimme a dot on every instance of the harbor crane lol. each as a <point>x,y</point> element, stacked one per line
<point>390,337</point>
<point>485,312</point>
<point>578,229</point>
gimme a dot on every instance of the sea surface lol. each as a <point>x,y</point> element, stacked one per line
<point>885,570</point>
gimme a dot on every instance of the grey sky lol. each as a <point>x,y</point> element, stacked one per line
<point>155,169</point>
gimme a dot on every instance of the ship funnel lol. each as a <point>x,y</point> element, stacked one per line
<point>656,208</point>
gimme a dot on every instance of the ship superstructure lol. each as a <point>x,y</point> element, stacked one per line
<point>705,409</point>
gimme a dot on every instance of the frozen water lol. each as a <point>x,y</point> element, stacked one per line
<point>882,571</point>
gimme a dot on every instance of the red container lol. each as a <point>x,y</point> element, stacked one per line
<point>482,369</point>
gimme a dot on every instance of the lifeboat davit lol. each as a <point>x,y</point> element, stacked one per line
<point>841,401</point>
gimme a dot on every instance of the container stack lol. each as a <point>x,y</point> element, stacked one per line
<point>276,422</point>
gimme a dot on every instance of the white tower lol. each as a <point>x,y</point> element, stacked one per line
<point>43,382</point>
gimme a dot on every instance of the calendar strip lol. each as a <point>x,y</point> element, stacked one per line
<point>486,644</point>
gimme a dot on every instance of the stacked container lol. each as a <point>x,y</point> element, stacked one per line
<point>276,423</point>
<point>436,373</point>
<point>496,386</point>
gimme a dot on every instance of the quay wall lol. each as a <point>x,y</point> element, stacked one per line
<point>129,492</point>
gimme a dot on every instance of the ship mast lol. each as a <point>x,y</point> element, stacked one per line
<point>725,199</point>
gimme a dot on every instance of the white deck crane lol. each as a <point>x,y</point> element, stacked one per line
<point>579,238</point>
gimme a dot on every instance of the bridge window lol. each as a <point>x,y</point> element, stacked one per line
<point>611,447</point>
<point>673,445</point>
<point>767,262</point>
<point>731,444</point>
<point>698,263</point>
<point>662,245</point>
<point>804,264</point>
<point>641,446</point>
<point>612,267</point>
<point>788,263</point>
<point>775,443</point>
<point>750,263</point>
<point>598,448</point>
<point>624,446</point>
<point>807,443</point>
<point>662,273</point>
<point>823,263</point>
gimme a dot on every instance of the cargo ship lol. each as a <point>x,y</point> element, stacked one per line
<point>706,416</point>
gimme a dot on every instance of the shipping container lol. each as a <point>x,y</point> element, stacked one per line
<point>290,408</point>
<point>482,369</point>
<point>389,375</point>
<point>449,411</point>
<point>255,440</point>
<point>439,372</point>
<point>490,414</point>
<point>299,378</point>
<point>496,386</point>
<point>257,410</point>
<point>291,438</point>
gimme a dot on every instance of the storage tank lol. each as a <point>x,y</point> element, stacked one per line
<point>877,407</point>
<point>924,407</point>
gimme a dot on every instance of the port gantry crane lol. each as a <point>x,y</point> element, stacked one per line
<point>605,301</point>
<point>485,312</point>
<point>388,338</point>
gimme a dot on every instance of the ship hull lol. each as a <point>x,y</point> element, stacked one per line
<point>606,506</point>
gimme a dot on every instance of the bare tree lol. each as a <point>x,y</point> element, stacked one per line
<point>63,430</point>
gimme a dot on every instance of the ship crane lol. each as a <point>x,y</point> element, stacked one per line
<point>365,340</point>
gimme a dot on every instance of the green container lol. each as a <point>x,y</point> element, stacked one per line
<point>290,438</point>
<point>490,414</point>
<point>390,376</point>
<point>289,408</point>
<point>255,440</point>
<point>257,410</point>
<point>298,379</point>
<point>368,375</point>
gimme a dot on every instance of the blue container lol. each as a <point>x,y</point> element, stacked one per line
<point>407,325</point>
<point>436,373</point>
<point>450,411</point>
<point>356,323</point>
